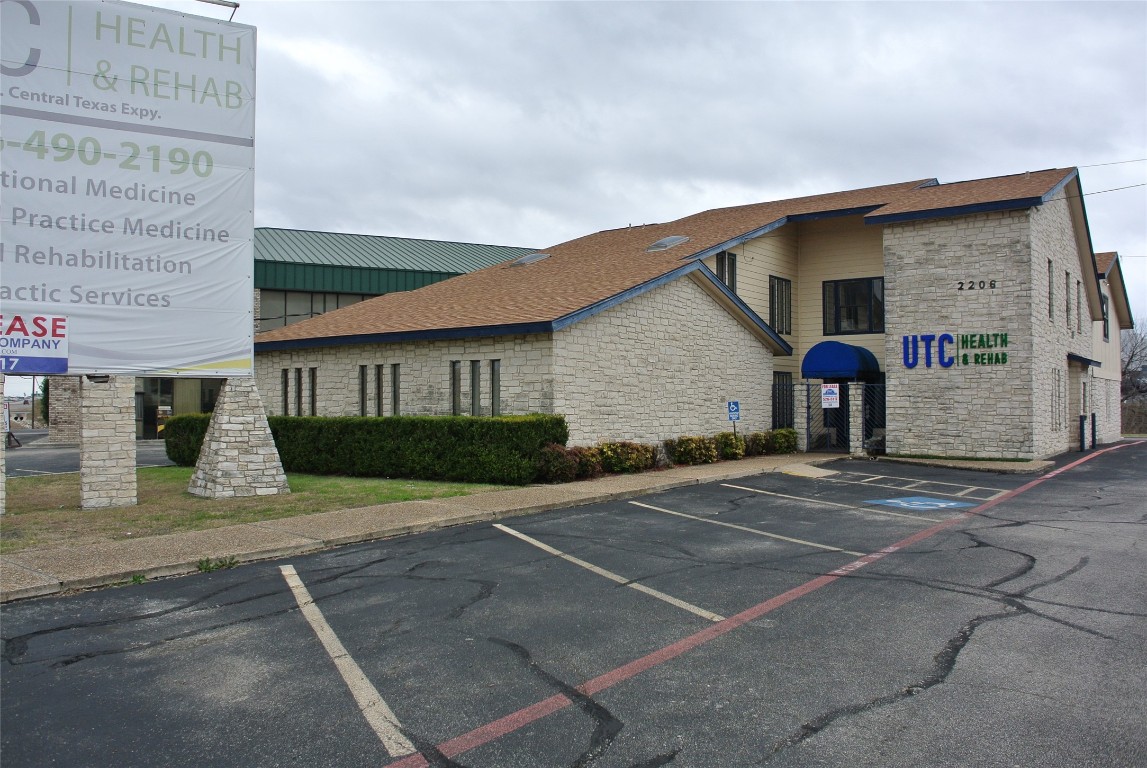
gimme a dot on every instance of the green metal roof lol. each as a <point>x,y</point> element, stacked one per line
<point>333,249</point>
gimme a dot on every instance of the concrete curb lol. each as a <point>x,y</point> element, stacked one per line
<point>39,573</point>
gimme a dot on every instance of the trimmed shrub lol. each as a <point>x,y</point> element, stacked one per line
<point>757,443</point>
<point>691,450</point>
<point>624,456</point>
<point>729,445</point>
<point>556,464</point>
<point>783,441</point>
<point>588,462</point>
<point>505,449</point>
<point>183,437</point>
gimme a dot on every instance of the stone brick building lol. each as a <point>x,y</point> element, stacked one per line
<point>976,313</point>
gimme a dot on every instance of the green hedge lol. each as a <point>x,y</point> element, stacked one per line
<point>458,448</point>
<point>183,436</point>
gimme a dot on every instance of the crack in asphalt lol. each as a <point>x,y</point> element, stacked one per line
<point>606,725</point>
<point>945,660</point>
<point>658,761</point>
<point>943,663</point>
<point>16,646</point>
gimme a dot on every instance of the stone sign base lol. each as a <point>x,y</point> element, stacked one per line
<point>107,442</point>
<point>238,457</point>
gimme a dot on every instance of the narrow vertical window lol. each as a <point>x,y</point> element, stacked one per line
<point>1078,307</point>
<point>286,391</point>
<point>1106,319</point>
<point>395,402</point>
<point>314,391</point>
<point>456,387</point>
<point>1050,291</point>
<point>378,390</point>
<point>495,387</point>
<point>781,304</point>
<point>298,391</point>
<point>362,390</point>
<point>727,269</point>
<point>475,387</point>
<point>1067,296</point>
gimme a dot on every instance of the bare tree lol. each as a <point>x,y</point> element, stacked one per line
<point>1134,384</point>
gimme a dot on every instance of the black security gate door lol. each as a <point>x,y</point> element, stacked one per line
<point>827,427</point>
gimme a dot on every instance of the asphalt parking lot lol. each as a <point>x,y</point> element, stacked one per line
<point>883,615</point>
<point>36,457</point>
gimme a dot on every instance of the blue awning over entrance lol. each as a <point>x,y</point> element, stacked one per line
<point>834,360</point>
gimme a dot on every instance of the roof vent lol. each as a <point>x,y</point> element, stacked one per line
<point>665,243</point>
<point>529,258</point>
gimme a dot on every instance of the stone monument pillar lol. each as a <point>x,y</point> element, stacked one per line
<point>239,457</point>
<point>64,410</point>
<point>800,415</point>
<point>107,442</point>
<point>856,418</point>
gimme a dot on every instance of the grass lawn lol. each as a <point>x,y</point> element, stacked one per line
<point>45,511</point>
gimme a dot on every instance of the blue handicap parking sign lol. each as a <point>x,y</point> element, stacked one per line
<point>921,503</point>
<point>734,410</point>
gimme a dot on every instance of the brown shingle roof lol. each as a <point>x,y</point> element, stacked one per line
<point>581,273</point>
<point>1103,262</point>
<point>998,192</point>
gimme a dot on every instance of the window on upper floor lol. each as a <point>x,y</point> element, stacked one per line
<point>1106,318</point>
<point>781,304</point>
<point>1078,306</point>
<point>727,269</point>
<point>854,306</point>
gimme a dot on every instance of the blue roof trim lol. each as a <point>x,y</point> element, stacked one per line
<point>858,211</point>
<point>693,266</point>
<point>956,210</point>
<point>581,314</point>
<point>1063,183</point>
<point>1074,358</point>
<point>785,347</point>
<point>437,334</point>
<point>750,235</point>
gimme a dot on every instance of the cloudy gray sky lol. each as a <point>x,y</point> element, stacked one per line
<point>530,123</point>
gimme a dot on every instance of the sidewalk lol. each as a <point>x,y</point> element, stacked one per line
<point>49,571</point>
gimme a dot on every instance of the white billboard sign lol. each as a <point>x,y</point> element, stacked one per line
<point>127,151</point>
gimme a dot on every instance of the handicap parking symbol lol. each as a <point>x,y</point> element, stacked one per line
<point>920,503</point>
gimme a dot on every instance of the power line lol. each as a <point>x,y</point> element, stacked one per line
<point>1116,162</point>
<point>1114,189</point>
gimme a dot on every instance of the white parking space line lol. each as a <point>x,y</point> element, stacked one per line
<point>802,542</point>
<point>380,717</point>
<point>850,507</point>
<point>612,576</point>
<point>870,484</point>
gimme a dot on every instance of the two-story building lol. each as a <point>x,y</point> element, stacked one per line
<point>975,313</point>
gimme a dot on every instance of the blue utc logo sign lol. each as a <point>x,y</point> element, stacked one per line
<point>946,350</point>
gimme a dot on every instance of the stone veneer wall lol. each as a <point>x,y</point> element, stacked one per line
<point>64,410</point>
<point>1057,385</point>
<point>526,374</point>
<point>1026,408</point>
<point>975,411</point>
<point>660,365</point>
<point>239,457</point>
<point>107,443</point>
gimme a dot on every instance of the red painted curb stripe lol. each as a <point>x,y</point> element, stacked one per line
<point>523,717</point>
